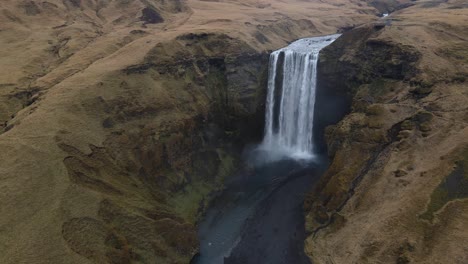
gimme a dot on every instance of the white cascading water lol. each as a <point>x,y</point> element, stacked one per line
<point>290,110</point>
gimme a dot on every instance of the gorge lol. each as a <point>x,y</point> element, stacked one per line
<point>137,131</point>
<point>258,217</point>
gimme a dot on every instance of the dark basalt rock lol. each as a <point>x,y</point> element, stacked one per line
<point>73,3</point>
<point>345,28</point>
<point>194,36</point>
<point>389,6</point>
<point>338,80</point>
<point>354,72</point>
<point>151,16</point>
<point>379,26</point>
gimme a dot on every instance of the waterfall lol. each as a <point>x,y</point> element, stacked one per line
<point>291,98</point>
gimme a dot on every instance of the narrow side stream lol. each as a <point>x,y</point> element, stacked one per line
<point>259,217</point>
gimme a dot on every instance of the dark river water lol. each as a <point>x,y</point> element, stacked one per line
<point>259,218</point>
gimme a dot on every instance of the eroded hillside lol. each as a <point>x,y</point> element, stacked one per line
<point>396,188</point>
<point>120,117</point>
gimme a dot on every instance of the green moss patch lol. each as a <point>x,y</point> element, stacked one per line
<point>187,203</point>
<point>194,197</point>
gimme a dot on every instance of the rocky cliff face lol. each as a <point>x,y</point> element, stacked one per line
<point>395,190</point>
<point>159,161</point>
<point>120,117</point>
<point>165,141</point>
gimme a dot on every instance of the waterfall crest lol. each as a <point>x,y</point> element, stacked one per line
<point>291,98</point>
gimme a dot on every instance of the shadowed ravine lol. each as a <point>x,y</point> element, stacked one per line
<point>258,218</point>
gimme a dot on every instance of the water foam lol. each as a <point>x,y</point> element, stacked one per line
<point>292,84</point>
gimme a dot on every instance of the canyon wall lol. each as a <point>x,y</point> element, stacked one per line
<point>119,118</point>
<point>395,191</point>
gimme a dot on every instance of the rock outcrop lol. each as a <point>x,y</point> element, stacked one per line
<point>395,190</point>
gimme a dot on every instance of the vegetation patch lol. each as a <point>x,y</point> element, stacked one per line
<point>459,77</point>
<point>454,186</point>
<point>188,202</point>
<point>456,51</point>
<point>421,88</point>
<point>381,86</point>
